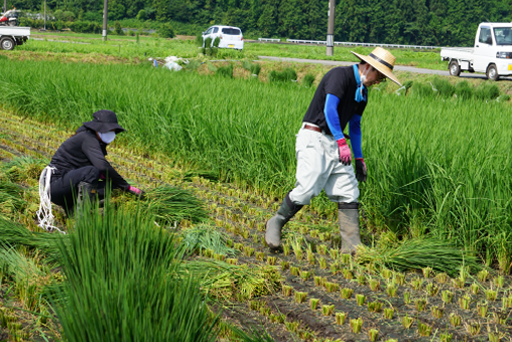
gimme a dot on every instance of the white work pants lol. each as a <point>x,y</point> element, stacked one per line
<point>319,167</point>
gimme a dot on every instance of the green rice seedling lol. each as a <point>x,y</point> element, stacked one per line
<point>473,328</point>
<point>260,256</point>
<point>424,329</point>
<point>420,304</point>
<point>500,317</point>
<point>416,283</point>
<point>232,261</point>
<point>437,312</point>
<point>239,246</point>
<point>495,336</point>
<point>392,340</point>
<point>300,297</point>
<point>361,279</point>
<point>314,233</point>
<point>287,290</point>
<point>491,295</point>
<point>399,278</point>
<point>225,71</point>
<point>482,308</point>
<point>374,284</point>
<point>327,310</point>
<point>334,253</point>
<point>465,302</point>
<point>331,287</point>
<point>305,275</point>
<point>202,237</point>
<point>432,289</point>
<point>427,272</point>
<point>386,273</point>
<point>486,91</point>
<point>277,318</point>
<point>255,239</point>
<point>271,260</point>
<point>335,268</point>
<point>447,296</point>
<point>219,257</point>
<point>346,258</point>
<point>313,303</point>
<point>308,80</point>
<point>291,326</point>
<point>373,334</point>
<point>346,293</point>
<point>317,280</point>
<point>441,278</point>
<point>295,271</point>
<point>474,288</point>
<point>463,90</point>
<point>407,321</point>
<point>499,281</point>
<point>458,283</point>
<point>254,305</point>
<point>322,249</point>
<point>297,250</point>
<point>407,298</point>
<point>285,265</point>
<point>340,318</point>
<point>286,249</point>
<point>265,311</point>
<point>356,325</point>
<point>389,313</point>
<point>445,337</point>
<point>255,69</point>
<point>348,274</point>
<point>311,257</point>
<point>375,306</point>
<point>483,275</point>
<point>323,263</point>
<point>444,87</point>
<point>360,299</point>
<point>248,251</point>
<point>455,319</point>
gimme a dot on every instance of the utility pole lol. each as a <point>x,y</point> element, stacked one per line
<point>45,15</point>
<point>330,28</point>
<point>105,20</point>
<point>5,6</point>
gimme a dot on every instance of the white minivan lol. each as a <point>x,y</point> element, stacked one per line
<point>230,37</point>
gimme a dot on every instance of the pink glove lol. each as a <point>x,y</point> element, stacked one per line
<point>102,177</point>
<point>136,191</point>
<point>345,154</point>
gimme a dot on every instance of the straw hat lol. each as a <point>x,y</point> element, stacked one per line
<point>382,60</point>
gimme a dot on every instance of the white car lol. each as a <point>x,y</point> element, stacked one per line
<point>230,37</point>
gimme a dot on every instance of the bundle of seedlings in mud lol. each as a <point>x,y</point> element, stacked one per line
<point>300,297</point>
<point>373,334</point>
<point>286,75</point>
<point>356,325</point>
<point>424,329</point>
<point>202,237</point>
<point>465,302</point>
<point>327,310</point>
<point>455,319</point>
<point>340,317</point>
<point>407,321</point>
<point>389,313</point>
<point>11,200</point>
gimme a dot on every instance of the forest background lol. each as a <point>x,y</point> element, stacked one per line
<point>416,22</point>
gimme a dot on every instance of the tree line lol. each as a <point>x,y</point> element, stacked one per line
<point>418,22</point>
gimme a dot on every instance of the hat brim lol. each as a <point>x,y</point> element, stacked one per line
<point>386,71</point>
<point>102,127</point>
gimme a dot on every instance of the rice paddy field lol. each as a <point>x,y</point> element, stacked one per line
<point>215,154</point>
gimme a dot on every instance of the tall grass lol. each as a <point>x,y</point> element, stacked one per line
<point>122,283</point>
<point>438,166</point>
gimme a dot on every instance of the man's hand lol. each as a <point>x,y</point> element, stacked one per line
<point>136,191</point>
<point>345,153</point>
<point>361,172</point>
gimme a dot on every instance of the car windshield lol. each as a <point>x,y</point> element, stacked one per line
<point>231,31</point>
<point>503,35</point>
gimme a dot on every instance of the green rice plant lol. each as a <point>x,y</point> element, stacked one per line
<point>322,249</point>
<point>474,288</point>
<point>271,260</point>
<point>375,306</point>
<point>331,287</point>
<point>465,302</point>
<point>447,296</point>
<point>482,308</point>
<point>416,283</point>
<point>308,80</point>
<point>444,88</point>
<point>407,321</point>
<point>463,90</point>
<point>386,273</point>
<point>260,256</point>
<point>291,326</point>
<point>287,290</point>
<point>356,325</point>
<point>225,71</point>
<point>422,90</point>
<point>239,246</point>
<point>407,298</point>
<point>232,261</point>
<point>499,281</point>
<point>473,328</point>
<point>441,278</point>
<point>389,313</point>
<point>334,253</point>
<point>313,303</point>
<point>399,278</point>
<point>483,275</point>
<point>455,319</point>
<point>327,310</point>
<point>317,280</point>
<point>285,265</point>
<point>286,249</point>
<point>11,200</point>
<point>391,340</point>
<point>248,251</point>
<point>432,289</point>
<point>374,284</point>
<point>300,297</point>
<point>311,257</point>
<point>500,317</point>
<point>445,337</point>
<point>437,312</point>
<point>202,236</point>
<point>297,249</point>
<point>427,272</point>
<point>348,274</point>
<point>323,263</point>
<point>496,336</point>
<point>360,299</point>
<point>23,170</point>
<point>346,258</point>
<point>295,271</point>
<point>305,275</point>
<point>346,293</point>
<point>458,283</point>
<point>487,91</point>
<point>340,317</point>
<point>420,304</point>
<point>373,334</point>
<point>122,255</point>
<point>424,329</point>
<point>491,295</point>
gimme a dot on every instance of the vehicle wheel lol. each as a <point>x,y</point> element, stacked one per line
<point>454,68</point>
<point>492,73</point>
<point>7,44</point>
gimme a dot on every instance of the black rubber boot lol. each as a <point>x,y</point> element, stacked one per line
<point>348,215</point>
<point>274,225</point>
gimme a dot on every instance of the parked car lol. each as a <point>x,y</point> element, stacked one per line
<point>491,53</point>
<point>230,37</point>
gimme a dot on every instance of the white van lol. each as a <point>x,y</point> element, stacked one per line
<point>230,37</point>
<point>491,53</point>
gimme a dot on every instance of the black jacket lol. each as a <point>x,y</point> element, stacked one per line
<point>84,149</point>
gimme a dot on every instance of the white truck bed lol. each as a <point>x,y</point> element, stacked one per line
<point>457,52</point>
<point>15,31</point>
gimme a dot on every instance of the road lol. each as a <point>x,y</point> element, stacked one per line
<point>397,67</point>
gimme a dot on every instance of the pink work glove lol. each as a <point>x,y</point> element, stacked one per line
<point>345,154</point>
<point>136,191</point>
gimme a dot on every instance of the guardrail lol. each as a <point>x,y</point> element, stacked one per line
<point>269,40</point>
<point>323,42</point>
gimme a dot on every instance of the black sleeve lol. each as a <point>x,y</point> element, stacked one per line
<point>92,149</point>
<point>336,83</point>
<point>360,108</point>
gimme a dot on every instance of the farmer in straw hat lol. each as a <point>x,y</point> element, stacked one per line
<point>79,163</point>
<point>323,156</point>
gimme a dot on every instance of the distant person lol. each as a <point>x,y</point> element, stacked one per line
<point>79,163</point>
<point>323,155</point>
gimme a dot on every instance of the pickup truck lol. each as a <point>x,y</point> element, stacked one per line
<point>491,54</point>
<point>10,36</point>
